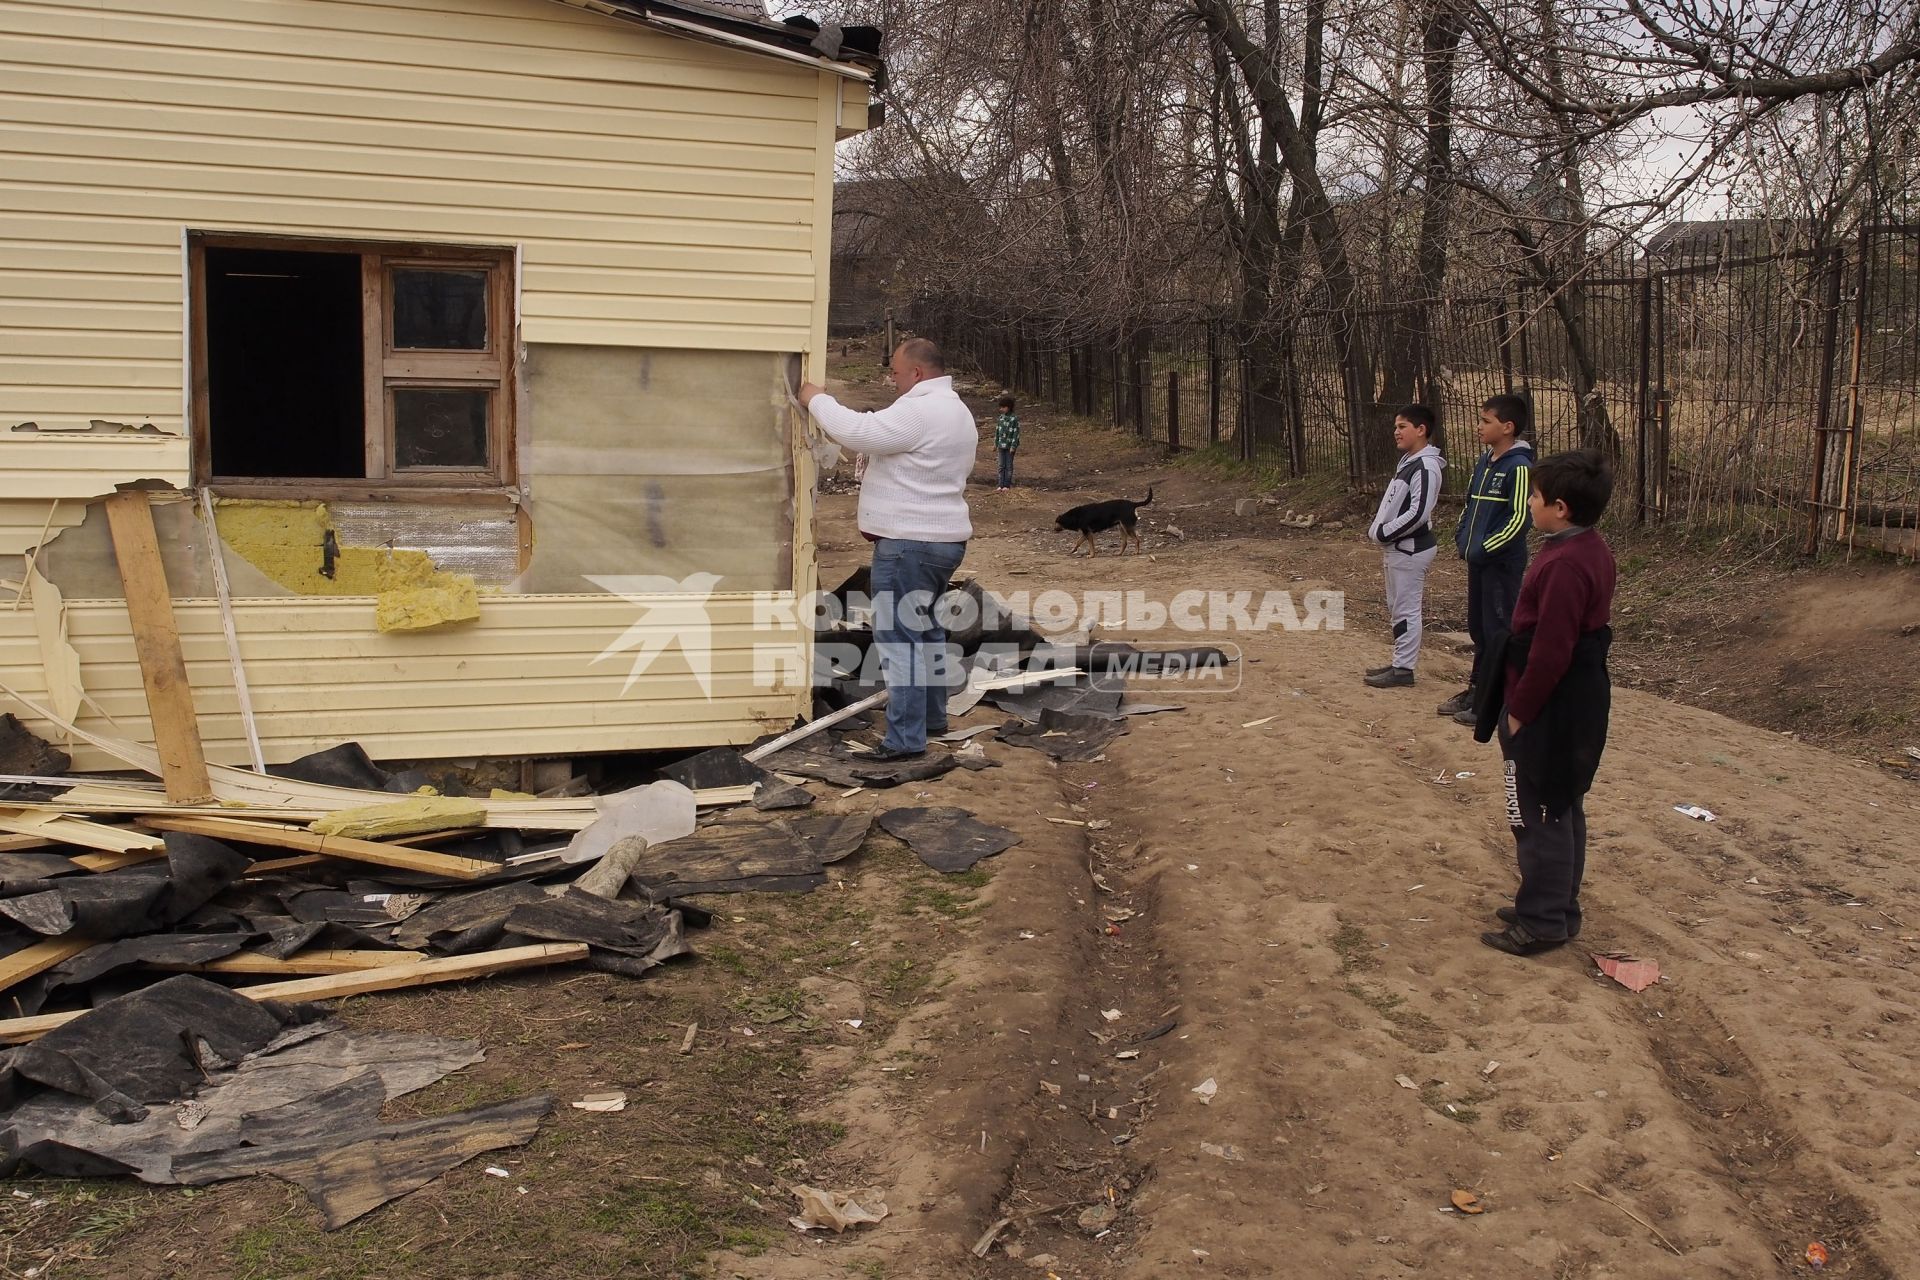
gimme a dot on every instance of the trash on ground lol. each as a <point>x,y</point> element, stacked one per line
<point>1206,1090</point>
<point>1816,1255</point>
<point>946,839</point>
<point>611,1101</point>
<point>1467,1202</point>
<point>837,1210</point>
<point>265,1088</point>
<point>1064,735</point>
<point>1097,1218</point>
<point>1406,1082</point>
<point>1224,1152</point>
<point>1634,975</point>
<point>1695,811</point>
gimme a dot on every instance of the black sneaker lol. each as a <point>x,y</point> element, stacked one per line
<point>1461,701</point>
<point>1379,671</point>
<point>1516,941</point>
<point>1391,678</point>
<point>1507,915</point>
<point>886,755</point>
<point>1467,718</point>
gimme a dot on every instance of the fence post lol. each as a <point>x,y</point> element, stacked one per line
<point>1640,401</point>
<point>1248,446</point>
<point>1849,497</point>
<point>1505,340</point>
<point>1173,411</point>
<point>1823,407</point>
<point>1143,393</point>
<point>1213,385</point>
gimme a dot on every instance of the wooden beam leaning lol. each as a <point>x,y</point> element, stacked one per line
<point>156,639</point>
<point>276,836</point>
<point>392,978</point>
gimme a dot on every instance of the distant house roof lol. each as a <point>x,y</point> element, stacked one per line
<point>744,24</point>
<point>1717,236</point>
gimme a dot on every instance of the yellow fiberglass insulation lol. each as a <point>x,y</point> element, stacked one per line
<point>287,540</point>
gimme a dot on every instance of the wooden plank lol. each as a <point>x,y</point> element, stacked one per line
<point>163,667</point>
<point>277,836</point>
<point>103,862</point>
<point>390,978</point>
<point>435,837</point>
<point>217,558</point>
<point>65,828</point>
<point>10,843</point>
<point>39,958</point>
<point>275,866</point>
<point>313,963</point>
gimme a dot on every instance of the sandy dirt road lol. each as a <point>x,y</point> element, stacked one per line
<point>1306,895</point>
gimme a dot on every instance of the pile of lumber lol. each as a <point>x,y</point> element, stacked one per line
<point>303,890</point>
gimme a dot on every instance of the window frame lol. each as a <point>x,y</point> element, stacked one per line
<point>383,369</point>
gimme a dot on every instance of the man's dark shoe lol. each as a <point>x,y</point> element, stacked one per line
<point>1508,915</point>
<point>1516,941</point>
<point>1391,678</point>
<point>1466,717</point>
<point>886,754</point>
<point>1461,701</point>
<point>1374,671</point>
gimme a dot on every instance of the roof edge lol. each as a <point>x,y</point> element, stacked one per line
<point>765,39</point>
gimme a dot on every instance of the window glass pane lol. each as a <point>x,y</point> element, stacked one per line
<point>440,427</point>
<point>439,310</point>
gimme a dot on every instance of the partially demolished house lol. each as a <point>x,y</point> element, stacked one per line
<point>468,324</point>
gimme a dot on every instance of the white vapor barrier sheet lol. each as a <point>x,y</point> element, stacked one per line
<point>665,464</point>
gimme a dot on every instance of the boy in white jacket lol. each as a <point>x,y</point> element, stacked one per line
<point>1403,526</point>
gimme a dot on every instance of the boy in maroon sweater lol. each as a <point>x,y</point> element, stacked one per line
<point>1550,698</point>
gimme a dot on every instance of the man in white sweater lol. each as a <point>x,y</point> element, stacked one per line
<point>913,508</point>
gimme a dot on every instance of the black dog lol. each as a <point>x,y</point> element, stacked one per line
<point>1098,517</point>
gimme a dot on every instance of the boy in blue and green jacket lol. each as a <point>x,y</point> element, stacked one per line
<point>1492,537</point>
<point>1006,441</point>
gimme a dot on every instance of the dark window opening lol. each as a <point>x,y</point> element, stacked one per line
<point>439,310</point>
<point>285,364</point>
<point>320,361</point>
<point>441,427</point>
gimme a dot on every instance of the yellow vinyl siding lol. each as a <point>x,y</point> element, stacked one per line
<point>521,680</point>
<point>662,191</point>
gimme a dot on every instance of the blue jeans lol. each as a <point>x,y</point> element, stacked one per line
<point>1006,468</point>
<point>908,578</point>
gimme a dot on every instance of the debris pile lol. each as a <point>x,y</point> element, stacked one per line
<point>158,953</point>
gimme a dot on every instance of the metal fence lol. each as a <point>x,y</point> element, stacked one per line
<point>1777,394</point>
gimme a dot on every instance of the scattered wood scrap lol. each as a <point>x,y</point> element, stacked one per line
<point>278,836</point>
<point>239,791</point>
<point>38,958</point>
<point>306,964</point>
<point>64,828</point>
<point>387,978</point>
